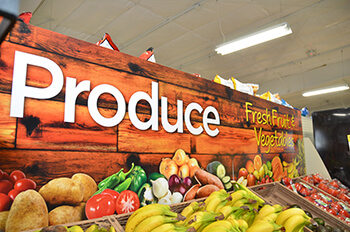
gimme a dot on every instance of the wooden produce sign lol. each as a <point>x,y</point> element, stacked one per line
<point>69,106</point>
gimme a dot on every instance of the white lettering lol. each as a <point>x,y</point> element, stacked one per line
<point>164,115</point>
<point>192,106</point>
<point>215,121</point>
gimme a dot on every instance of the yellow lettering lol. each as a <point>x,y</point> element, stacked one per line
<point>247,111</point>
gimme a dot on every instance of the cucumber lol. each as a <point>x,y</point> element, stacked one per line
<point>226,179</point>
<point>216,168</point>
<point>228,186</point>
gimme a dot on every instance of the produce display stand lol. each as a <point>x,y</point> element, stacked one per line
<point>105,222</point>
<point>276,193</point>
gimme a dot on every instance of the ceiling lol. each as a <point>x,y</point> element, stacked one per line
<point>185,33</point>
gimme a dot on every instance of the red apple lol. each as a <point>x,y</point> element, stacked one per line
<point>251,179</point>
<point>242,172</point>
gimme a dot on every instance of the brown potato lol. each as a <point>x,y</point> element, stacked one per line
<point>3,218</point>
<point>81,210</point>
<point>62,191</point>
<point>64,214</point>
<point>90,186</point>
<point>28,211</point>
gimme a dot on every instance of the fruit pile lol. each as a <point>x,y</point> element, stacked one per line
<point>334,207</point>
<point>11,185</point>
<point>333,187</point>
<point>238,211</point>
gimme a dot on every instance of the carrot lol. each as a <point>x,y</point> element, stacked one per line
<point>206,190</point>
<point>203,177</point>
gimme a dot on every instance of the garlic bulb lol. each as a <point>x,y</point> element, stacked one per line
<point>176,198</point>
<point>164,201</point>
<point>160,187</point>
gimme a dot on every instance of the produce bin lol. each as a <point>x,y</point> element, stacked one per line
<point>106,221</point>
<point>276,193</point>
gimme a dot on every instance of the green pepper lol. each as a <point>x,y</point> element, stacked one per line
<point>139,177</point>
<point>123,186</point>
<point>111,181</point>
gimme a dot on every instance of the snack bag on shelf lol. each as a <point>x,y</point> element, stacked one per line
<point>271,97</point>
<point>223,81</point>
<point>107,42</point>
<point>250,89</point>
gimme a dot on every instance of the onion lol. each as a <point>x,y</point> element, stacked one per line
<point>160,187</point>
<point>174,181</point>
<point>176,198</point>
<point>181,189</point>
<point>187,182</point>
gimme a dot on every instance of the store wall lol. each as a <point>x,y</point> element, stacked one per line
<point>58,135</point>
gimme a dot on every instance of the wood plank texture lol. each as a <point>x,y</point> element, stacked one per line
<point>45,147</point>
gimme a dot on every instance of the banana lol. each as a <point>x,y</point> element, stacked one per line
<point>220,206</point>
<point>249,217</point>
<point>234,222</point>
<point>153,222</point>
<point>93,228</point>
<point>167,227</point>
<point>295,223</point>
<point>213,226</point>
<point>75,228</point>
<point>243,225</point>
<point>213,203</point>
<point>191,208</point>
<point>244,201</point>
<point>267,210</point>
<point>238,186</point>
<point>286,214</point>
<point>263,226</point>
<point>149,211</point>
<point>239,194</point>
<point>228,210</point>
<point>200,217</point>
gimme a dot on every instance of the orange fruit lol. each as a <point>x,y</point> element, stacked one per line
<point>257,162</point>
<point>249,166</point>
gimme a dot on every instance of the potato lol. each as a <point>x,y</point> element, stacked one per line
<point>3,218</point>
<point>62,191</point>
<point>64,214</point>
<point>90,186</point>
<point>81,210</point>
<point>28,211</point>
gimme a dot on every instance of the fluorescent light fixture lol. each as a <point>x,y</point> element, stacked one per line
<point>262,36</point>
<point>324,91</point>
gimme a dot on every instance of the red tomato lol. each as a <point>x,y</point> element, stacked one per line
<point>111,192</point>
<point>127,202</point>
<point>310,199</point>
<point>5,176</point>
<point>13,193</point>
<point>344,213</point>
<point>24,184</point>
<point>304,192</point>
<point>5,202</point>
<point>287,181</point>
<point>334,184</point>
<point>336,206</point>
<point>5,186</point>
<point>323,186</point>
<point>344,197</point>
<point>332,211</point>
<point>341,217</point>
<point>315,196</point>
<point>0,174</point>
<point>17,175</point>
<point>99,205</point>
<point>298,186</point>
<point>309,179</point>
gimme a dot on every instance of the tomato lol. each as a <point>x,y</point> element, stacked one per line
<point>315,196</point>
<point>5,202</point>
<point>334,183</point>
<point>309,179</point>
<point>100,205</point>
<point>304,192</point>
<point>310,199</point>
<point>332,211</point>
<point>17,175</point>
<point>334,192</point>
<point>24,184</point>
<point>111,192</point>
<point>323,186</point>
<point>336,206</point>
<point>13,193</point>
<point>0,174</point>
<point>344,213</point>
<point>127,202</point>
<point>341,217</point>
<point>5,186</point>
<point>298,186</point>
<point>5,176</point>
<point>344,197</point>
<point>287,181</point>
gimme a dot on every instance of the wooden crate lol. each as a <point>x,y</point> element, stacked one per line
<point>276,193</point>
<point>105,222</point>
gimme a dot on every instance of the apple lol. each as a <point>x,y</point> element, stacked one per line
<point>251,179</point>
<point>242,172</point>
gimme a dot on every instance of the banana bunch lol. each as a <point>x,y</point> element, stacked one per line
<point>291,167</point>
<point>77,228</point>
<point>151,217</point>
<point>293,219</point>
<point>265,219</point>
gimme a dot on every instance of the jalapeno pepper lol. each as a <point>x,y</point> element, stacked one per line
<point>113,180</point>
<point>123,186</point>
<point>138,178</point>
